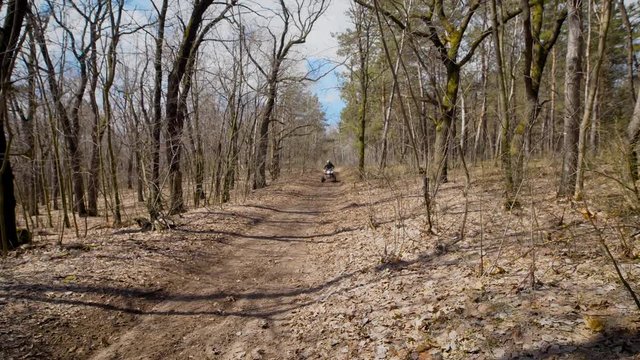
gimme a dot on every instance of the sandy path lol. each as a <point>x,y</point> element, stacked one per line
<point>239,305</point>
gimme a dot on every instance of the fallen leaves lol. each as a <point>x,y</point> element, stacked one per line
<point>346,303</point>
<point>594,323</point>
<point>70,279</point>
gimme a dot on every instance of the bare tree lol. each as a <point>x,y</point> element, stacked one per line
<point>68,119</point>
<point>191,40</point>
<point>297,23</point>
<point>154,200</point>
<point>86,55</point>
<point>235,94</point>
<point>115,21</point>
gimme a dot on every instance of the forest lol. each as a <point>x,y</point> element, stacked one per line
<point>160,192</point>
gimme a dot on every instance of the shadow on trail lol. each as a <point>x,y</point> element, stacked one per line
<point>298,212</point>
<point>288,238</point>
<point>382,201</point>
<point>289,299</point>
<point>44,292</point>
<point>264,313</point>
<point>615,343</point>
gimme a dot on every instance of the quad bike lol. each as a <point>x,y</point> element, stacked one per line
<point>329,175</point>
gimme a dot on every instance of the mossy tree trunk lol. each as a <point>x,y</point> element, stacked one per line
<point>537,46</point>
<point>443,124</point>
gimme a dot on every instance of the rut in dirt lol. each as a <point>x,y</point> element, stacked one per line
<point>239,302</point>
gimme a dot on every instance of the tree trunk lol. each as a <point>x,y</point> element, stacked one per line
<point>29,132</point>
<point>9,36</point>
<point>235,114</point>
<point>232,155</point>
<point>363,32</point>
<point>537,45</point>
<point>139,177</point>
<point>55,184</point>
<point>505,157</point>
<point>443,125</point>
<point>387,111</point>
<point>595,123</point>
<point>631,57</point>
<point>199,157</point>
<point>394,73</point>
<point>130,172</point>
<point>591,96</point>
<point>115,17</point>
<point>155,192</point>
<point>262,142</point>
<point>117,216</point>
<point>362,128</point>
<point>573,78</point>
<point>551,143</point>
<point>175,99</point>
<point>232,160</point>
<point>8,230</point>
<point>276,155</point>
<point>93,180</point>
<point>281,46</point>
<point>70,125</point>
<point>633,138</point>
<point>481,139</point>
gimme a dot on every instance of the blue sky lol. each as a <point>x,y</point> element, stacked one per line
<point>321,49</point>
<point>327,89</point>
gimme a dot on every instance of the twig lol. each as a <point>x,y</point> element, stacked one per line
<point>613,260</point>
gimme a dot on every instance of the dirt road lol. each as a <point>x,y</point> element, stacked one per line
<point>239,304</point>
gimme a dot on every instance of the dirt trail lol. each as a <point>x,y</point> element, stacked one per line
<point>239,305</point>
<point>305,270</point>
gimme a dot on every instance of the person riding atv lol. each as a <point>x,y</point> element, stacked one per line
<point>328,172</point>
<point>328,166</point>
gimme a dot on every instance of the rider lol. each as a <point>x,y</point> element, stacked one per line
<point>328,166</point>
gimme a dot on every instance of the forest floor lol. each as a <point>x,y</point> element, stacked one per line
<point>340,270</point>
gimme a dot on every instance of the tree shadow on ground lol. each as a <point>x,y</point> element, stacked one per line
<point>389,199</point>
<point>297,212</point>
<point>615,343</point>
<point>287,300</point>
<point>288,238</point>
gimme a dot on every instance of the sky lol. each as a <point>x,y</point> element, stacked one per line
<point>321,48</point>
